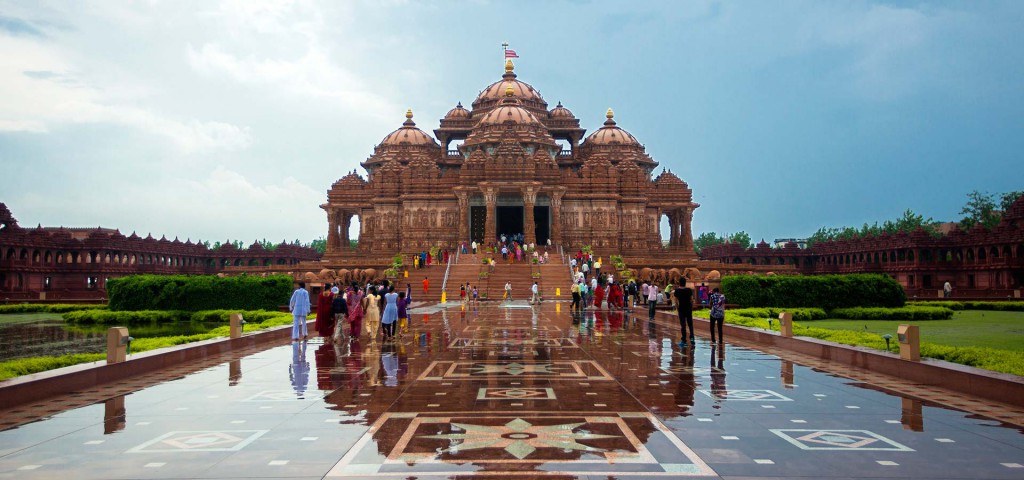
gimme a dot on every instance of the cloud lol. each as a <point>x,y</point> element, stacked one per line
<point>17,26</point>
<point>43,88</point>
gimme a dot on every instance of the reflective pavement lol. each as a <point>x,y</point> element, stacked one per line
<point>507,390</point>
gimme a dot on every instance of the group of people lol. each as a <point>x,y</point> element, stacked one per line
<point>378,307</point>
<point>425,259</point>
<point>469,293</point>
<point>603,290</point>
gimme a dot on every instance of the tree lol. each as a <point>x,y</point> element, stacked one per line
<point>705,240</point>
<point>319,245</point>
<point>742,238</point>
<point>980,208</point>
<point>1007,200</point>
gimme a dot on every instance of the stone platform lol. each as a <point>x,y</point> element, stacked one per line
<point>507,392</point>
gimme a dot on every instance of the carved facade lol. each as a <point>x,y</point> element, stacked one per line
<point>499,169</point>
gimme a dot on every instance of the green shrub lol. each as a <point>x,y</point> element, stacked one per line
<point>194,293</point>
<point>820,291</point>
<point>975,305</point>
<point>913,312</point>
<point>48,308</point>
<point>799,314</point>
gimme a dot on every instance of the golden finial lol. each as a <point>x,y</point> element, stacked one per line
<point>609,114</point>
<point>509,66</point>
<point>408,114</point>
<point>509,91</point>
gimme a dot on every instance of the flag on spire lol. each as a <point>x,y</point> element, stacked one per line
<point>511,54</point>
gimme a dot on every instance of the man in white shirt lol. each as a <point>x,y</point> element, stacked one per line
<point>508,290</point>
<point>535,299</point>
<point>652,299</point>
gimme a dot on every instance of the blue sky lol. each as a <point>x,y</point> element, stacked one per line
<point>231,119</point>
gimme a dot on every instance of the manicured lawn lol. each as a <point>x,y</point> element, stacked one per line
<point>1002,330</point>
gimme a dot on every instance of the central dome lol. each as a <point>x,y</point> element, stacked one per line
<point>506,113</point>
<point>521,90</point>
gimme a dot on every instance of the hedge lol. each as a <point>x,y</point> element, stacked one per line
<point>147,317</point>
<point>194,293</point>
<point>801,314</point>
<point>912,312</point>
<point>819,291</point>
<point>48,308</point>
<point>974,305</point>
<point>996,360</point>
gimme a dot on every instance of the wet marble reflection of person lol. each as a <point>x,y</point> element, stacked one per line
<point>718,387</point>
<point>687,384</point>
<point>298,371</point>
<point>389,359</point>
<point>326,358</point>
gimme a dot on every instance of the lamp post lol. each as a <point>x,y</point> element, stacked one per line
<point>887,338</point>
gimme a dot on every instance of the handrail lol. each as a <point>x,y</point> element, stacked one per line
<point>448,268</point>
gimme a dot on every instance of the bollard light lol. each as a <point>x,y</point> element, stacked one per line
<point>887,338</point>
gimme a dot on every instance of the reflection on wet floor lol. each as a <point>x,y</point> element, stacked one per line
<point>512,392</point>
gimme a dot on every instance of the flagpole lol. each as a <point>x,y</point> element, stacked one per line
<point>504,47</point>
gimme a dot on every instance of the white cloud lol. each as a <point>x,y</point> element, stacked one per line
<point>42,88</point>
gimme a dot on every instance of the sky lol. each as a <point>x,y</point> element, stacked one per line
<point>231,119</point>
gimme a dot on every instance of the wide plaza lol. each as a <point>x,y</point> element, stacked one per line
<point>506,389</point>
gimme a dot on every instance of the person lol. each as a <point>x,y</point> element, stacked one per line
<point>390,315</point>
<point>464,249</point>
<point>416,263</point>
<point>614,296</point>
<point>403,314</point>
<point>474,247</point>
<point>508,291</point>
<point>702,294</point>
<point>355,311</point>
<point>371,312</point>
<point>652,299</point>
<point>324,319</point>
<point>947,290</point>
<point>462,292</point>
<point>575,305</point>
<point>426,285</point>
<point>493,264</point>
<point>535,298</point>
<point>408,293</point>
<point>339,309</point>
<point>684,307</point>
<point>299,306</point>
<point>598,295</point>
<point>597,267</point>
<point>504,252</point>
<point>476,295</point>
<point>717,300</point>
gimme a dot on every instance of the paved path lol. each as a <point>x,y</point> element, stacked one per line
<point>504,392</point>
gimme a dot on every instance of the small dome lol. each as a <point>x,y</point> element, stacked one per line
<point>610,134</point>
<point>457,113</point>
<point>408,134</point>
<point>561,112</point>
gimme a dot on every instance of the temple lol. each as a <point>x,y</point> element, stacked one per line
<point>509,166</point>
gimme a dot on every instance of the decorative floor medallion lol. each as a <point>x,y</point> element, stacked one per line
<point>512,342</point>
<point>840,440</point>
<point>747,395</point>
<point>634,444</point>
<point>556,370</point>
<point>516,394</point>
<point>200,441</point>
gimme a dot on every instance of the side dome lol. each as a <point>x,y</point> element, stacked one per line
<point>408,135</point>
<point>610,134</point>
<point>561,112</point>
<point>457,113</point>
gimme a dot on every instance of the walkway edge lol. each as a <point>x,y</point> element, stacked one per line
<point>60,381</point>
<point>1000,387</point>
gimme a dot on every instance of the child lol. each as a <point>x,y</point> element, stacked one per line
<point>476,295</point>
<point>403,315</point>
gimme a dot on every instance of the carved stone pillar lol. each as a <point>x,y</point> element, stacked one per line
<point>491,224</point>
<point>556,218</point>
<point>463,216</point>
<point>332,230</point>
<point>529,224</point>
<point>673,237</point>
<point>687,231</point>
<point>346,224</point>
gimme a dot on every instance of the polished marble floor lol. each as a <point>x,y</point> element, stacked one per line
<point>512,392</point>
